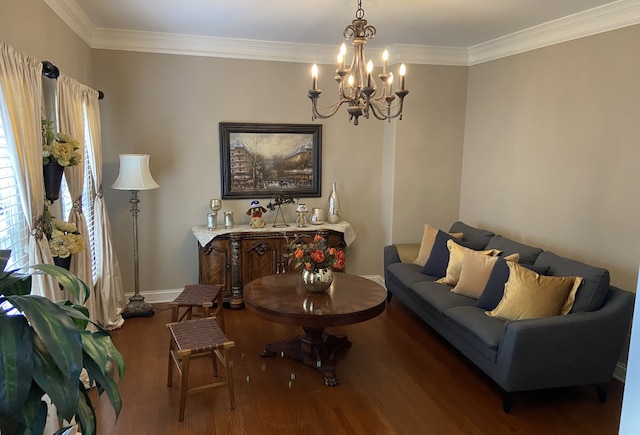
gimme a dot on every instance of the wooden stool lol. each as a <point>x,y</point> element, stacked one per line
<point>193,339</point>
<point>195,296</point>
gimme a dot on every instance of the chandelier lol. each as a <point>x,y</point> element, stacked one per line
<point>357,88</point>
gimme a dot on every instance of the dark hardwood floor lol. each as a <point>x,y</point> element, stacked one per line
<point>399,377</point>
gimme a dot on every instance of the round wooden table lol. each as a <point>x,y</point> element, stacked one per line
<point>282,298</point>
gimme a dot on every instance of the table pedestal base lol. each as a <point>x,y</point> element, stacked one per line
<point>315,349</point>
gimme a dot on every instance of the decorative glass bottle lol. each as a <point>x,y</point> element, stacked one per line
<point>334,206</point>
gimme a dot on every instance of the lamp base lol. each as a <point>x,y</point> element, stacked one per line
<point>137,307</point>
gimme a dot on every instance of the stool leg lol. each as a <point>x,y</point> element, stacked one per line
<point>214,362</point>
<point>170,365</point>
<point>174,313</point>
<point>227,365</point>
<point>184,385</point>
<point>219,313</point>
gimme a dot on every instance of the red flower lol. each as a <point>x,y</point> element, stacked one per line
<point>317,256</point>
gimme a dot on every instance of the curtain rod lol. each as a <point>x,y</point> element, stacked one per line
<point>51,71</point>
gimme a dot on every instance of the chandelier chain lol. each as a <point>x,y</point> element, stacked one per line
<point>360,11</point>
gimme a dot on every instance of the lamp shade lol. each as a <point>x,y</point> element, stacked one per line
<point>134,173</point>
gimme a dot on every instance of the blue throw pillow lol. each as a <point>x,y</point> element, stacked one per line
<point>438,260</point>
<point>494,290</point>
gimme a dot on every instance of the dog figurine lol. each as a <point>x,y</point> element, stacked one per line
<point>256,212</point>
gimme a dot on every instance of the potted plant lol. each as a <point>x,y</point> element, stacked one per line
<point>58,152</point>
<point>45,345</point>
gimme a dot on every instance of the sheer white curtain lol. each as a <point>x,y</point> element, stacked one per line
<point>21,88</point>
<point>78,102</point>
<point>71,121</point>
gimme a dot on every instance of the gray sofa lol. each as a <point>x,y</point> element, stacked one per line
<point>580,348</point>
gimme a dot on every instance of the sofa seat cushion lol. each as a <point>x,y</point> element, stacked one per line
<point>439,296</point>
<point>479,331</point>
<point>407,274</point>
<point>528,254</point>
<point>595,286</point>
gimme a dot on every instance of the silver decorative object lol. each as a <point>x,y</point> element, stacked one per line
<point>317,281</point>
<point>212,217</point>
<point>228,219</point>
<point>317,216</point>
<point>334,206</point>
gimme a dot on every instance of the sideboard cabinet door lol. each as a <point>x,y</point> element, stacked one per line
<point>214,262</point>
<point>260,257</point>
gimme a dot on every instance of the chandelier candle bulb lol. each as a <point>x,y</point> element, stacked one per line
<point>314,76</point>
<point>385,58</point>
<point>369,69</point>
<point>403,71</point>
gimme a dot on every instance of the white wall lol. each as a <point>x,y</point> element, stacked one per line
<point>551,153</point>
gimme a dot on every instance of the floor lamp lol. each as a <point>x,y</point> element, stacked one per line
<point>135,176</point>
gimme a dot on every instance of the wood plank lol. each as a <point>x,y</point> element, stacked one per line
<point>399,377</point>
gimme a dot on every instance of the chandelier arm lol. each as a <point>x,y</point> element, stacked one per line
<point>332,110</point>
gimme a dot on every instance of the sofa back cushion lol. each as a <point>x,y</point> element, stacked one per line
<point>528,254</point>
<point>529,295</point>
<point>427,243</point>
<point>595,285</point>
<point>473,238</point>
<point>436,264</point>
<point>494,290</point>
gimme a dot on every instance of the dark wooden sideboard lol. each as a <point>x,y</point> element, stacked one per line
<point>235,258</point>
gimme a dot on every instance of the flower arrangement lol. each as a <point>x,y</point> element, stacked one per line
<point>64,237</point>
<point>316,255</point>
<point>60,148</point>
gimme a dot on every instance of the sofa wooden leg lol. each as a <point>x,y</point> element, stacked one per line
<point>507,401</point>
<point>602,392</point>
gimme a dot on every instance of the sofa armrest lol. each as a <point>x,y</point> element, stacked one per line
<point>400,253</point>
<point>576,349</point>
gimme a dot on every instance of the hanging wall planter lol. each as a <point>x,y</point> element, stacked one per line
<point>52,172</point>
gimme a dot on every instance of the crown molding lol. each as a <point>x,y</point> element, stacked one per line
<point>619,14</point>
<point>74,17</point>
<point>612,16</point>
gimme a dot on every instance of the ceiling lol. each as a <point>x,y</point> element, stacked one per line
<point>412,24</point>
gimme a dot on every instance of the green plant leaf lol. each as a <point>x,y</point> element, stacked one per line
<point>61,388</point>
<point>14,283</point>
<point>86,415</point>
<point>59,336</point>
<point>102,359</point>
<point>16,365</point>
<point>33,415</point>
<point>67,280</point>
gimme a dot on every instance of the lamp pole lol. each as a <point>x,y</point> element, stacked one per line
<point>136,307</point>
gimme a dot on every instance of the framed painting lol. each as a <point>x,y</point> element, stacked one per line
<point>262,160</point>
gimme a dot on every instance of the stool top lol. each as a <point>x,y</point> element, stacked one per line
<point>197,294</point>
<point>198,335</point>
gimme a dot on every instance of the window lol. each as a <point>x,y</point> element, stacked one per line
<point>13,228</point>
<point>87,199</point>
